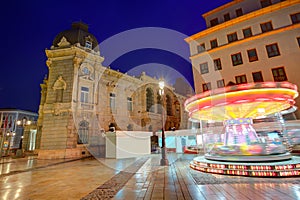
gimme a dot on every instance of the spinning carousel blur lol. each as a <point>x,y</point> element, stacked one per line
<point>241,151</point>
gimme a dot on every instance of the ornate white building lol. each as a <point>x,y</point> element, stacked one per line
<point>81,98</point>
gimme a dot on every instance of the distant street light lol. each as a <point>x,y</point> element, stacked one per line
<point>164,161</point>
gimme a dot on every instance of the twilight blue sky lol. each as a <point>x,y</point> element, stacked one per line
<point>29,27</point>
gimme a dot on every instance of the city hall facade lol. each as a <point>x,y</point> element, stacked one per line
<point>81,99</point>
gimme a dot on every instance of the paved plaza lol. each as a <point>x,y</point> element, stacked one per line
<point>136,178</point>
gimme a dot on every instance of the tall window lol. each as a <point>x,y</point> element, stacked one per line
<point>298,40</point>
<point>150,100</point>
<point>204,68</point>
<point>247,32</point>
<point>272,50</point>
<point>241,79</point>
<point>265,27</point>
<point>177,109</point>
<point>217,64</point>
<point>112,101</point>
<point>159,103</point>
<point>201,47</point>
<point>83,133</point>
<point>252,55</point>
<point>295,18</point>
<point>236,59</point>
<point>265,3</point>
<point>169,105</point>
<point>206,87</point>
<point>84,95</point>
<point>226,17</point>
<point>129,103</point>
<point>239,12</point>
<point>232,37</point>
<point>214,22</point>
<point>279,74</point>
<point>257,77</point>
<point>214,43</point>
<point>220,83</point>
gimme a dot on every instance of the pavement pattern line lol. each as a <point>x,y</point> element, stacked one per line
<point>38,167</point>
<point>111,187</point>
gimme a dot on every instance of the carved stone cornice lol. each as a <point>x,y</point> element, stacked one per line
<point>77,61</point>
<point>63,42</point>
<point>57,108</point>
<point>49,63</point>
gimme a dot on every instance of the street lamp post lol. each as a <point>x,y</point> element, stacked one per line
<point>164,161</point>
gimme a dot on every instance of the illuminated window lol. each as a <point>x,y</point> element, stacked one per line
<point>206,87</point>
<point>252,55</point>
<point>257,77</point>
<point>220,83</point>
<point>226,17</point>
<point>214,43</point>
<point>232,37</point>
<point>241,79</point>
<point>88,44</point>
<point>201,48</point>
<point>272,50</point>
<point>84,95</point>
<point>149,100</point>
<point>237,59</point>
<point>112,101</point>
<point>214,22</point>
<point>295,18</point>
<point>129,103</point>
<point>86,71</point>
<point>279,74</point>
<point>247,32</point>
<point>239,12</point>
<point>83,132</point>
<point>217,64</point>
<point>204,68</point>
<point>265,27</point>
<point>265,3</point>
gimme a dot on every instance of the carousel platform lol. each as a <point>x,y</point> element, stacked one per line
<point>269,168</point>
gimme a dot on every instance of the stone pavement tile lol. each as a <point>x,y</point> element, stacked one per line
<point>195,193</point>
<point>271,191</point>
<point>112,187</point>
<point>149,192</point>
<point>226,190</point>
<point>126,194</point>
<point>294,190</point>
<point>157,193</point>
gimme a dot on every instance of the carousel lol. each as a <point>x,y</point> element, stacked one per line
<point>241,151</point>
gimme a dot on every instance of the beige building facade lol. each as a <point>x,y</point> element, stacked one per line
<point>81,99</point>
<point>247,41</point>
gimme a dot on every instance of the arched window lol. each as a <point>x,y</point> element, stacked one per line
<point>150,100</point>
<point>177,109</point>
<point>130,127</point>
<point>169,105</point>
<point>83,132</point>
<point>150,129</point>
<point>159,103</point>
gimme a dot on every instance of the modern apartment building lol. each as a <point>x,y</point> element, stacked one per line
<point>248,41</point>
<point>18,131</point>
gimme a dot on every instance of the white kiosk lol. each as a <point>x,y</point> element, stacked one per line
<point>127,144</point>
